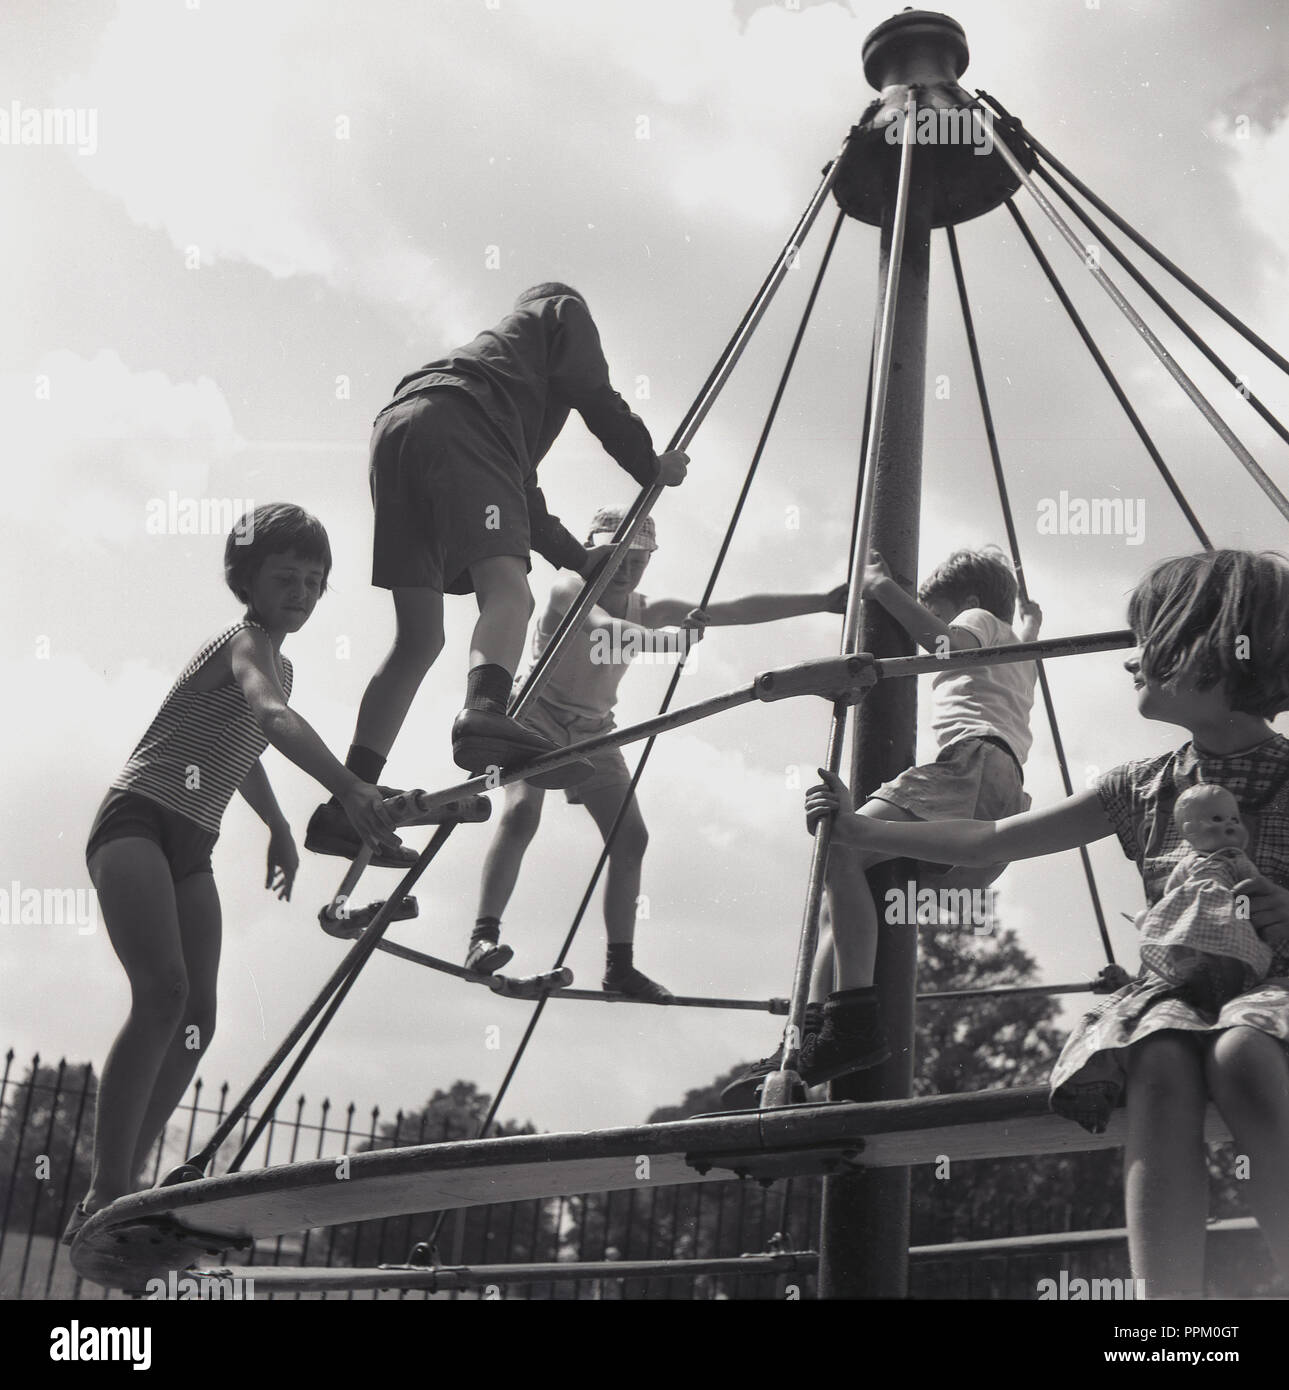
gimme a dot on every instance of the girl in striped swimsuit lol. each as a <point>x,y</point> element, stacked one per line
<point>149,849</point>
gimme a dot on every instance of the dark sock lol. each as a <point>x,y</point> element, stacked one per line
<point>620,957</point>
<point>848,995</point>
<point>365,763</point>
<point>487,687</point>
<point>486,929</point>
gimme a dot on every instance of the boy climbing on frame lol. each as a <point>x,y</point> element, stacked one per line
<point>453,477</point>
<point>980,718</point>
<point>578,704</point>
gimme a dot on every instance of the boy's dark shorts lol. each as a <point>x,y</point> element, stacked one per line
<point>127,815</point>
<point>447,490</point>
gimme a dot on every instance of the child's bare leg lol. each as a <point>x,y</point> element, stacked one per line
<point>483,734</point>
<point>626,861</point>
<point>132,878</point>
<point>854,914</point>
<point>622,892</point>
<point>505,606</point>
<point>515,830</point>
<point>1248,1078</point>
<point>854,932</point>
<point>418,639</point>
<point>200,932</point>
<point>823,979</point>
<point>1165,1177</point>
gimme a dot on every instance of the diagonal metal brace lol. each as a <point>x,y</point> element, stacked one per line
<point>841,679</point>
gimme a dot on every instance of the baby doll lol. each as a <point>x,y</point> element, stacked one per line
<point>1193,936</point>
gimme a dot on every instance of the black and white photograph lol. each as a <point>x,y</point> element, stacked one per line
<point>646,659</point>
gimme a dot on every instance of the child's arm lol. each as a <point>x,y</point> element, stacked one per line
<point>1031,619</point>
<point>755,608</point>
<point>284,858</point>
<point>547,534</point>
<point>690,622</point>
<point>1076,821</point>
<point>581,375</point>
<point>920,623</point>
<point>258,795</point>
<point>254,670</point>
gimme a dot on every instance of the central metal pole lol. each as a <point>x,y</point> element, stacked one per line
<point>864,1234</point>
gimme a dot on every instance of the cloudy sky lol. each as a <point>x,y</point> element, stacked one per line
<point>270,211</point>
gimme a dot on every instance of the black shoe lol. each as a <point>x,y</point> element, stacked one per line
<point>482,739</point>
<point>636,985</point>
<point>330,831</point>
<point>486,956</point>
<point>851,1039</point>
<point>744,1092</point>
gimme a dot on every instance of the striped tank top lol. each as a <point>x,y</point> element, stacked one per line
<point>202,743</point>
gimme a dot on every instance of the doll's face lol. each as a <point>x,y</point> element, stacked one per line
<point>1209,818</point>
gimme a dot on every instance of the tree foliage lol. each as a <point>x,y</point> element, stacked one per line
<point>46,1146</point>
<point>519,1231</point>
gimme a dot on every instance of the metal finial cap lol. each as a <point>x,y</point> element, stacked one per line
<point>915,46</point>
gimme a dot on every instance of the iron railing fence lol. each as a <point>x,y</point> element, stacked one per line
<point>46,1136</point>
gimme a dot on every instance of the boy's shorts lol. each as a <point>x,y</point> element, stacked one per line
<point>447,491</point>
<point>563,727</point>
<point>972,779</point>
<point>126,815</point>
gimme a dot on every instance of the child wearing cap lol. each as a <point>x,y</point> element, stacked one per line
<point>454,484</point>
<point>980,717</point>
<point>578,704</point>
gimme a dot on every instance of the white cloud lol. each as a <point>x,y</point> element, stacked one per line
<point>98,441</point>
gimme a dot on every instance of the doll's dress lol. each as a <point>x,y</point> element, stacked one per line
<point>1194,937</point>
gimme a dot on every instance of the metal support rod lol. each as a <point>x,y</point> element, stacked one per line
<point>895,667</point>
<point>442,1278</point>
<point>1170,364</point>
<point>864,1222</point>
<point>822,677</point>
<point>1228,372</point>
<point>1007,992</point>
<point>643,505</point>
<point>341,979</point>
<point>779,1087</point>
<point>548,762</point>
<point>1108,373</point>
<point>1152,251</point>
<point>996,460</point>
<point>598,996</point>
<point>1060,1241</point>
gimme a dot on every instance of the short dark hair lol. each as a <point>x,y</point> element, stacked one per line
<point>1220,616</point>
<point>548,289</point>
<point>985,573</point>
<point>274,529</point>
